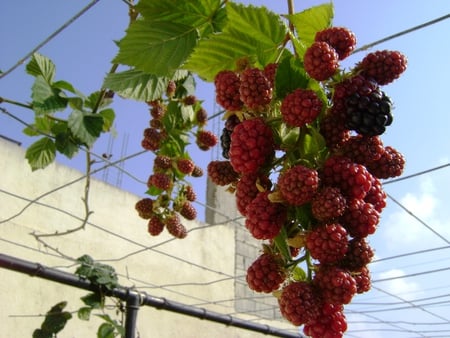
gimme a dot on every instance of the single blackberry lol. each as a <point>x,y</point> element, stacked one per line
<point>264,218</point>
<point>188,211</point>
<point>328,204</point>
<point>333,130</point>
<point>185,166</point>
<point>369,115</point>
<point>222,172</point>
<point>383,66</point>
<point>321,61</point>
<point>144,207</point>
<point>327,243</point>
<point>174,226</point>
<point>155,226</point>
<point>358,255</point>
<point>206,139</point>
<point>298,184</point>
<point>162,163</point>
<point>270,72</point>
<point>340,38</point>
<point>160,181</point>
<point>201,117</point>
<point>197,172</point>
<point>152,139</point>
<point>225,142</point>
<point>360,219</point>
<point>247,189</point>
<point>255,89</point>
<point>189,193</point>
<point>300,107</point>
<point>363,149</point>
<point>376,195</point>
<point>299,303</point>
<point>227,85</point>
<point>389,165</point>
<point>252,145</point>
<point>266,273</point>
<point>336,285</point>
<point>330,323</point>
<point>363,280</point>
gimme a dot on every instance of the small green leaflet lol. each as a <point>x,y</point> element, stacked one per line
<point>55,320</point>
<point>41,66</point>
<point>290,76</point>
<point>86,127</point>
<point>311,21</point>
<point>41,153</point>
<point>157,49</point>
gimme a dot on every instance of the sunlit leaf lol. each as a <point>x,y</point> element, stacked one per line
<point>40,65</point>
<point>41,153</point>
<point>86,127</point>
<point>156,48</point>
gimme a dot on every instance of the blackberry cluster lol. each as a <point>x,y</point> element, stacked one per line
<point>323,151</point>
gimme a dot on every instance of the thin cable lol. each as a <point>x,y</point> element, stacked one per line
<point>393,36</point>
<point>50,37</point>
<point>409,254</point>
<point>410,275</point>
<point>417,174</point>
<point>418,219</point>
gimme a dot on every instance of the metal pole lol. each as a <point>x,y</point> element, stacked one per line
<point>134,299</point>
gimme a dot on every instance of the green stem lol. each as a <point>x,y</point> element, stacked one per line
<point>2,99</point>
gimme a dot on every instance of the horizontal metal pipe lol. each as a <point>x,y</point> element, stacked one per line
<point>134,298</point>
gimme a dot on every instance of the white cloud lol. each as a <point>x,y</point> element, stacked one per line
<point>400,286</point>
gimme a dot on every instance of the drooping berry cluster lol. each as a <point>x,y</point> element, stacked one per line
<point>165,137</point>
<point>306,166</point>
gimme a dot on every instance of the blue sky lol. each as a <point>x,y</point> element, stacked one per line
<point>82,54</point>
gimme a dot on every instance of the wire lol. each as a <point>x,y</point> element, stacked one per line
<point>411,275</point>
<point>50,37</point>
<point>417,174</point>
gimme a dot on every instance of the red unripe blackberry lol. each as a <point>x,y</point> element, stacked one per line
<point>255,89</point>
<point>328,203</point>
<point>299,303</point>
<point>327,243</point>
<point>206,139</point>
<point>174,226</point>
<point>360,219</point>
<point>171,88</point>
<point>389,165</point>
<point>160,181</point>
<point>333,130</point>
<point>227,85</point>
<point>152,139</point>
<point>189,100</point>
<point>185,166</point>
<point>340,38</point>
<point>222,173</point>
<point>201,116</point>
<point>162,163</point>
<point>336,285</point>
<point>266,273</point>
<point>252,145</point>
<point>359,254</point>
<point>330,323</point>
<point>351,178</point>
<point>247,189</point>
<point>144,207</point>
<point>188,211</point>
<point>363,280</point>
<point>363,149</point>
<point>321,61</point>
<point>264,218</point>
<point>189,193</point>
<point>197,172</point>
<point>376,195</point>
<point>155,226</point>
<point>383,66</point>
<point>300,107</point>
<point>298,184</point>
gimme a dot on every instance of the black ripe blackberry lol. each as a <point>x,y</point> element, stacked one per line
<point>369,114</point>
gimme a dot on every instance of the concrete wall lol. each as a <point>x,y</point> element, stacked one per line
<point>181,270</point>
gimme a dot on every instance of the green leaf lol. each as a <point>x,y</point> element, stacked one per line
<point>86,127</point>
<point>137,85</point>
<point>39,333</point>
<point>66,144</point>
<point>108,118</point>
<point>311,21</point>
<point>42,124</point>
<point>156,48</point>
<point>64,85</point>
<point>106,330</point>
<point>84,313</point>
<point>93,300</point>
<point>91,101</point>
<point>252,32</point>
<point>45,98</point>
<point>206,15</point>
<point>41,153</point>
<point>290,76</point>
<point>56,319</point>
<point>281,244</point>
<point>262,25</point>
<point>40,65</point>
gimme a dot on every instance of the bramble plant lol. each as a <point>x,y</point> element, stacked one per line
<point>301,141</point>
